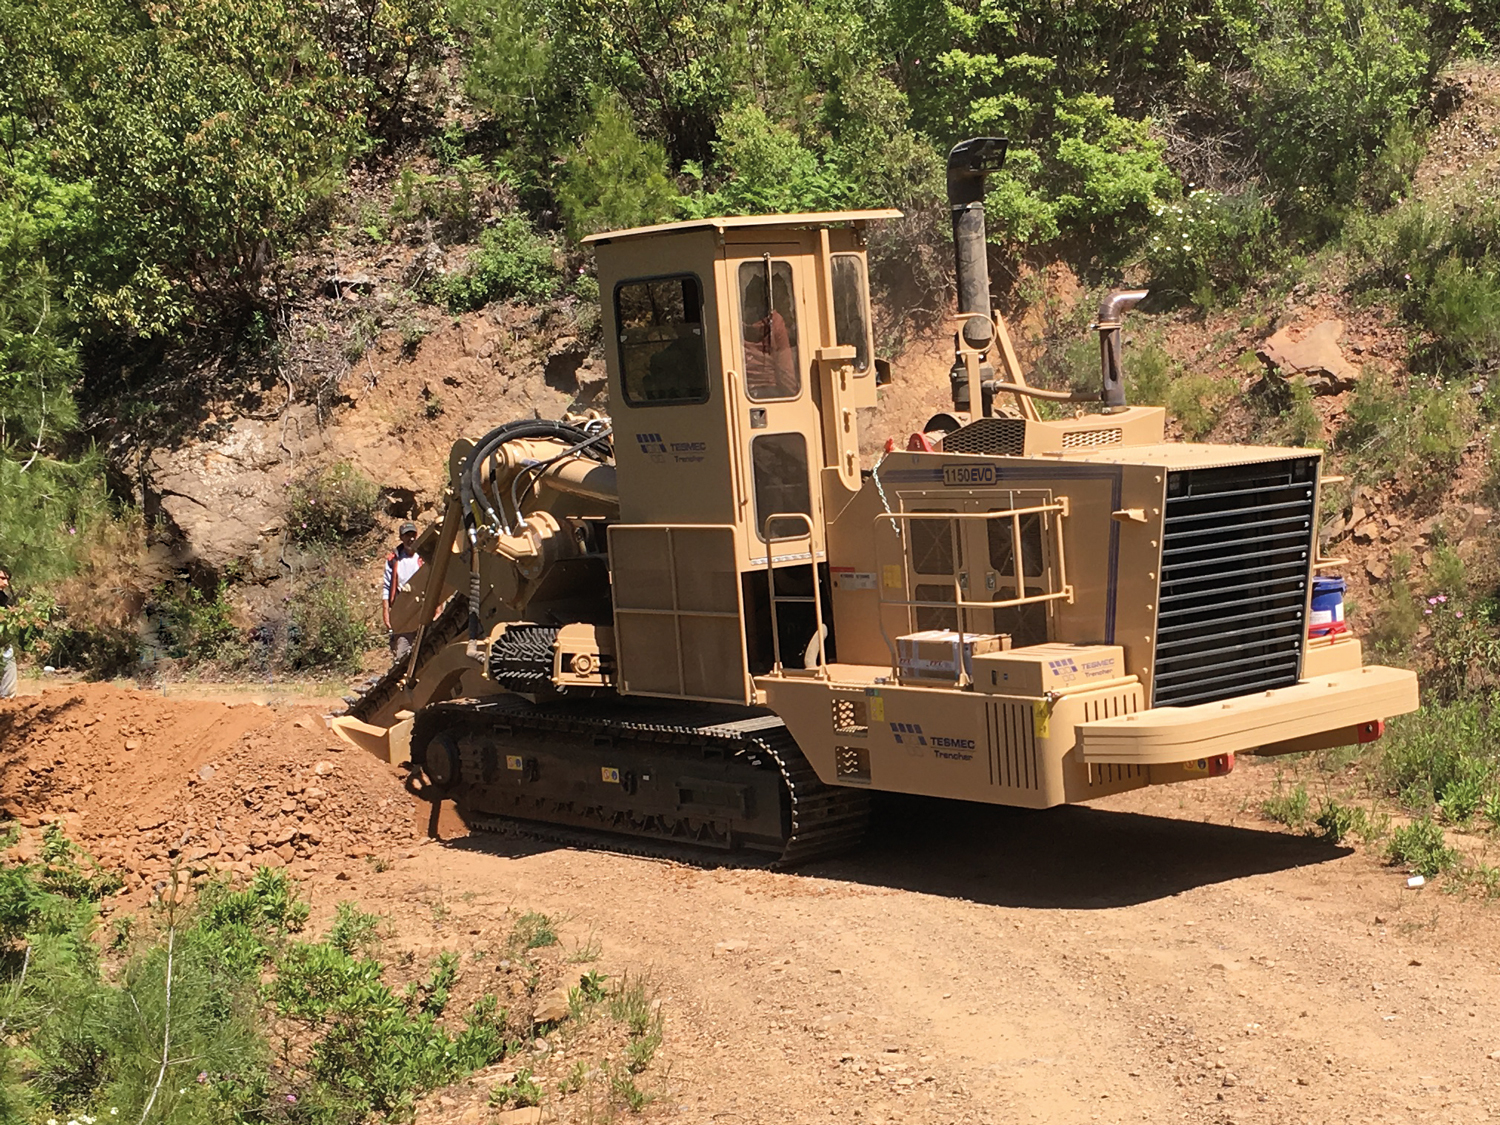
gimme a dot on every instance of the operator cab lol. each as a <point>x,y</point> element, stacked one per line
<point>739,352</point>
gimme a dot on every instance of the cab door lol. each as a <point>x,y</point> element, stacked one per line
<point>769,356</point>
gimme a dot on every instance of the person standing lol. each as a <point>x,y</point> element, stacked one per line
<point>8,654</point>
<point>401,566</point>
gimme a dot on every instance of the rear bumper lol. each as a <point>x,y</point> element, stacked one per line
<point>1205,730</point>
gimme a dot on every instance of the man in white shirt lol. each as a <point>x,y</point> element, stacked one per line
<point>7,653</point>
<point>401,566</point>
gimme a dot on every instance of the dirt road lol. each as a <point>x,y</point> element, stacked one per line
<point>1162,956</point>
<point>1121,963</point>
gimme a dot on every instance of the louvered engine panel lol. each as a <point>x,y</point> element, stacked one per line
<point>1236,561</point>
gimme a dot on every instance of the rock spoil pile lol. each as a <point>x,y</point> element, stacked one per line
<point>147,783</point>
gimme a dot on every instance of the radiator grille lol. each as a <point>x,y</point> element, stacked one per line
<point>1236,554</point>
<point>999,437</point>
<point>1087,439</point>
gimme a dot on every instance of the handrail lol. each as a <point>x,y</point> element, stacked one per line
<point>819,635</point>
<point>1062,592</point>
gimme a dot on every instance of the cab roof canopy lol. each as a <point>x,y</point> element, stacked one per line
<point>735,222</point>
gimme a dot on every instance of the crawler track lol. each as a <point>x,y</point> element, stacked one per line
<point>691,785</point>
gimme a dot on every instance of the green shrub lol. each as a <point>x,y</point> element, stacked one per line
<point>1289,807</point>
<point>1421,847</point>
<point>512,263</point>
<point>1460,306</point>
<point>194,627</point>
<point>457,201</point>
<point>1335,821</point>
<point>1149,373</point>
<point>1208,246</point>
<point>616,180</point>
<point>520,1092</point>
<point>1198,402</point>
<point>1397,615</point>
<point>330,504</point>
<point>326,626</point>
<point>1415,436</point>
<point>1446,754</point>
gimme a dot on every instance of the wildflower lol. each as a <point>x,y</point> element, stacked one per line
<point>1432,601</point>
<point>1442,598</point>
<point>51,1121</point>
<point>1458,613</point>
<point>292,1098</point>
<point>1427,613</point>
<point>202,1077</point>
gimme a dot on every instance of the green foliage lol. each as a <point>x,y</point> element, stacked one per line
<point>1289,807</point>
<point>456,201</point>
<point>327,627</point>
<point>331,503</point>
<point>1447,754</point>
<point>1422,847</point>
<point>768,171</point>
<point>1415,436</point>
<point>616,180</point>
<point>185,164</point>
<point>520,1091</point>
<point>1398,612</point>
<point>512,262</point>
<point>353,930</point>
<point>197,627</point>
<point>1198,402</point>
<point>1209,246</point>
<point>1330,80</point>
<point>375,1051</point>
<point>1440,265</point>
<point>1335,821</point>
<point>77,1038</point>
<point>533,931</point>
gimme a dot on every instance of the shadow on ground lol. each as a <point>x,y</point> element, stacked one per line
<point>1072,857</point>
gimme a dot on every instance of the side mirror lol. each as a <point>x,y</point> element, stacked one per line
<point>883,376</point>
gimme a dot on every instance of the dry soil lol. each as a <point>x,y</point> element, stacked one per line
<point>1165,955</point>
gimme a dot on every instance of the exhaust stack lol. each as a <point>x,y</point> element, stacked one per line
<point>1111,367</point>
<point>968,165</point>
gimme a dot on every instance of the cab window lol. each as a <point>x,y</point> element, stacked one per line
<point>779,464</point>
<point>768,324</point>
<point>851,322</point>
<point>663,360</point>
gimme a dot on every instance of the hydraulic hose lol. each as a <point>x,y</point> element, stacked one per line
<point>470,486</point>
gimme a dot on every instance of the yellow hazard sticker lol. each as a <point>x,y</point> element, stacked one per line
<point>1041,718</point>
<point>877,708</point>
<point>610,774</point>
<point>513,762</point>
<point>892,577</point>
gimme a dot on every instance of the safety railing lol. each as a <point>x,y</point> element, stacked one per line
<point>1056,574</point>
<point>820,636</point>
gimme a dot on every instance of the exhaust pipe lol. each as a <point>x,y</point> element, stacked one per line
<point>968,165</point>
<point>1111,367</point>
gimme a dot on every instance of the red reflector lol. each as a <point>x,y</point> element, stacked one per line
<point>1220,765</point>
<point>1369,732</point>
<point>918,443</point>
<point>890,445</point>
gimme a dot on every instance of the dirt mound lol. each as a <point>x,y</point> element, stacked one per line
<point>145,783</point>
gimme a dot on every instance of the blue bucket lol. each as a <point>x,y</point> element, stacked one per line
<point>1327,616</point>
